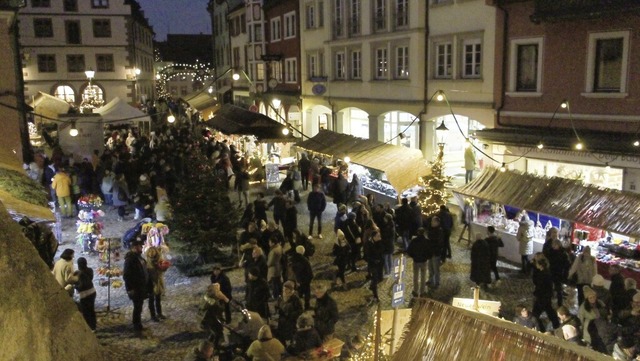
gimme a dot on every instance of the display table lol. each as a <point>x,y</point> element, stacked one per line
<point>511,249</point>
<point>332,347</point>
<point>603,270</point>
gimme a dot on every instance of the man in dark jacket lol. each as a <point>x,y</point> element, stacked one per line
<point>316,204</point>
<point>446,221</point>
<point>258,293</point>
<point>304,164</point>
<point>326,312</point>
<point>434,245</point>
<point>403,222</point>
<point>480,262</point>
<point>279,207</point>
<point>494,242</point>
<point>352,233</point>
<point>218,276</point>
<point>418,250</point>
<point>136,281</point>
<point>303,274</point>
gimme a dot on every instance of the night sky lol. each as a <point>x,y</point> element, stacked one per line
<point>177,17</point>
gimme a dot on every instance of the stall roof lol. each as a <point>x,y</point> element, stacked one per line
<point>438,331</point>
<point>403,166</point>
<point>231,119</point>
<point>202,101</point>
<point>49,106</point>
<point>118,111</point>
<point>603,208</point>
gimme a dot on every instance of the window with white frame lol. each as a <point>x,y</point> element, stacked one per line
<point>607,62</point>
<point>291,70</point>
<point>444,67</point>
<point>354,23</point>
<point>402,62</point>
<point>290,25</point>
<point>356,64</point>
<point>276,71</point>
<point>400,122</point>
<point>381,63</point>
<point>402,13</point>
<point>380,15</point>
<point>471,58</point>
<point>66,93</point>
<point>276,29</point>
<point>525,75</point>
<point>310,11</point>
<point>312,64</point>
<point>340,65</point>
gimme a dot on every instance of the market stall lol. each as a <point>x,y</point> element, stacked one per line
<point>202,102</point>
<point>385,170</point>
<point>117,111</point>
<point>604,219</point>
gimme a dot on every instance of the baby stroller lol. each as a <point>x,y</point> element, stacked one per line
<point>134,232</point>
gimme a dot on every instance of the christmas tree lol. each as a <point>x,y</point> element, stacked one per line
<point>434,192</point>
<point>205,220</point>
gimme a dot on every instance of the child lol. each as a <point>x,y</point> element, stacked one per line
<point>524,318</point>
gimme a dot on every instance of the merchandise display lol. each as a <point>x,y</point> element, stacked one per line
<point>372,180</point>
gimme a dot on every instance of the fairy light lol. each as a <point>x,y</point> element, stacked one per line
<point>434,192</point>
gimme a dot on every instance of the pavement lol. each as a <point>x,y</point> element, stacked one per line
<point>172,338</point>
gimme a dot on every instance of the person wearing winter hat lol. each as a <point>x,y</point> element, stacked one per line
<point>302,274</point>
<point>265,347</point>
<point>306,337</point>
<point>341,252</point>
<point>589,310</point>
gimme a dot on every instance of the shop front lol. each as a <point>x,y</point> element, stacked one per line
<point>606,220</point>
<point>384,170</point>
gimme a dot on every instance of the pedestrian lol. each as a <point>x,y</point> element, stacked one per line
<point>257,294</point>
<point>419,251</point>
<point>120,195</point>
<point>136,281</point>
<point>289,308</point>
<point>354,189</point>
<point>106,186</point>
<point>304,163</point>
<point>589,310</point>
<point>566,318</point>
<point>434,245</point>
<point>279,203</point>
<point>388,233</point>
<point>87,293</point>
<point>583,268</point>
<point>266,347</point>
<point>446,221</point>
<point>203,352</point>
<point>303,274</point>
<point>220,277</point>
<point>340,217</point>
<point>525,240</point>
<point>260,208</point>
<point>353,235</point>
<point>306,337</point>
<point>403,222</point>
<point>374,255</point>
<point>316,204</point>
<point>63,271</point>
<point>156,267</point>
<point>559,266</point>
<point>61,184</point>
<point>495,243</point>
<point>543,292</point>
<point>260,261</point>
<point>617,290</point>
<point>480,262</point>
<point>525,318</point>
<point>274,264</point>
<point>272,231</point>
<point>211,311</point>
<point>341,252</point>
<point>297,183</point>
<point>325,313</point>
<point>290,222</point>
<point>242,185</point>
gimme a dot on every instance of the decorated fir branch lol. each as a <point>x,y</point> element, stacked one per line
<point>434,192</point>
<point>90,201</point>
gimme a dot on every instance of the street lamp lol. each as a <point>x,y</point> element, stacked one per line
<point>441,131</point>
<point>73,131</point>
<point>90,99</point>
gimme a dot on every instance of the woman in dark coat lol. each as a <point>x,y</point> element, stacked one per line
<point>342,254</point>
<point>480,262</point>
<point>258,294</point>
<point>289,309</point>
<point>374,254</point>
<point>290,222</point>
<point>543,292</point>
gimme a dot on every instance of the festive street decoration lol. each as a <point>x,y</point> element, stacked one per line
<point>89,230</point>
<point>434,192</point>
<point>155,233</point>
<point>89,202</point>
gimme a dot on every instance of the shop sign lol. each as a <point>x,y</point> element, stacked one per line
<point>491,308</point>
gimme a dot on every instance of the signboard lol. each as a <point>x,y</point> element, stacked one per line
<point>491,308</point>
<point>272,174</point>
<point>399,268</point>
<point>398,295</point>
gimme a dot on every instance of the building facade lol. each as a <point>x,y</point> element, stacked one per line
<point>564,75</point>
<point>61,40</point>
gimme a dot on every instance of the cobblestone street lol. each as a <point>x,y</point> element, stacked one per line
<point>171,339</point>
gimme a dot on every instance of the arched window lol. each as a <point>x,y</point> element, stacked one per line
<point>94,95</point>
<point>65,93</point>
<point>395,123</point>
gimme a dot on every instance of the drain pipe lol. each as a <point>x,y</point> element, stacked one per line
<point>505,45</point>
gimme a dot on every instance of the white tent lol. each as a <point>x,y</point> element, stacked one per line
<point>118,112</point>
